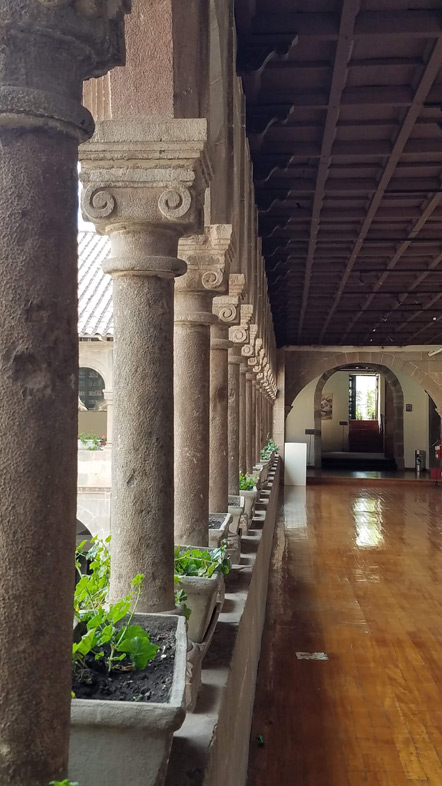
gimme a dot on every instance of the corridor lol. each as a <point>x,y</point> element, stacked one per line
<point>350,682</point>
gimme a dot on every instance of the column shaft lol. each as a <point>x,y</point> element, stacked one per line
<point>249,422</point>
<point>255,454</point>
<point>218,465</point>
<point>242,420</point>
<point>38,430</point>
<point>46,53</point>
<point>233,421</point>
<point>258,422</point>
<point>191,384</point>
<point>142,466</point>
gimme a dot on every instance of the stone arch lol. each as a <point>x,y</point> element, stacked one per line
<point>303,367</point>
<point>82,532</point>
<point>90,360</point>
<point>398,410</point>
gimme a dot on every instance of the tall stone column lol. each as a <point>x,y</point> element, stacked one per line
<point>219,384</point>
<point>144,187</point>
<point>227,310</point>
<point>238,335</point>
<point>253,425</point>
<point>233,421</point>
<point>46,53</point>
<point>205,257</point>
<point>242,417</point>
<point>258,420</point>
<point>247,352</point>
<point>249,421</point>
<point>109,399</point>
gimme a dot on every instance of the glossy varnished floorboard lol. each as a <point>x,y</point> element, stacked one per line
<point>357,575</point>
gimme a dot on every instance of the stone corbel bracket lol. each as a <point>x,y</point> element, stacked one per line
<point>248,350</point>
<point>138,173</point>
<point>228,307</point>
<point>207,259</point>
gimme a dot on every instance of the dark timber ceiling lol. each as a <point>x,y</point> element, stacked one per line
<point>344,119</point>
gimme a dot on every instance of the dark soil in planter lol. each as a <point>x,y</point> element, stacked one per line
<point>153,684</point>
<point>216,522</point>
<point>234,501</point>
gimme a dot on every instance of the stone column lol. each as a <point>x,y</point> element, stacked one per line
<point>109,399</point>
<point>218,467</point>
<point>258,420</point>
<point>242,417</point>
<point>233,421</point>
<point>227,310</point>
<point>254,405</point>
<point>46,53</point>
<point>145,204</point>
<point>193,317</point>
<point>238,336</point>
<point>249,421</point>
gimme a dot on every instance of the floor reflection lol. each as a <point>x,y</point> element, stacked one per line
<point>367,512</point>
<point>356,576</point>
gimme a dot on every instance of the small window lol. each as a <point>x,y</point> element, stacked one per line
<point>91,388</point>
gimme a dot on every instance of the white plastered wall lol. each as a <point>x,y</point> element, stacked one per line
<point>301,415</point>
<point>416,426</point>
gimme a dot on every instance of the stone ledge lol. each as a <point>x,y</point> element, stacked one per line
<point>212,745</point>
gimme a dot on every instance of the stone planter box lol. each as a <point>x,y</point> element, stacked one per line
<point>262,469</point>
<point>219,524</point>
<point>234,547</point>
<point>195,657</point>
<point>202,594</point>
<point>123,742</point>
<point>236,507</point>
<point>250,498</point>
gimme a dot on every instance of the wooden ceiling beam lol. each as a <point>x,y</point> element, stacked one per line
<point>412,24</point>
<point>423,88</point>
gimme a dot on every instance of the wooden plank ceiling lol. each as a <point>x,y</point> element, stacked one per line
<point>344,120</point>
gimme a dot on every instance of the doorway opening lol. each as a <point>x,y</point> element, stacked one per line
<point>359,414</point>
<point>365,415</point>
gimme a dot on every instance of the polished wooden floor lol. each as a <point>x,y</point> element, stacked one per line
<point>357,576</point>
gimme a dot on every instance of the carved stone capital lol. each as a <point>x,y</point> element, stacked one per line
<point>248,350</point>
<point>246,313</point>
<point>137,174</point>
<point>206,257</point>
<point>62,43</point>
<point>227,307</point>
<point>239,334</point>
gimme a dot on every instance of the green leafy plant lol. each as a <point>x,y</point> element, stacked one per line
<point>92,588</point>
<point>63,783</point>
<point>119,646</point>
<point>271,444</point>
<point>91,441</point>
<point>201,562</point>
<point>247,482</point>
<point>268,448</point>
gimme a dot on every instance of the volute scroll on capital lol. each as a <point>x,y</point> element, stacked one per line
<point>206,257</point>
<point>138,174</point>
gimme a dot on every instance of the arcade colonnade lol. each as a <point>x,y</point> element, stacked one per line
<point>166,174</point>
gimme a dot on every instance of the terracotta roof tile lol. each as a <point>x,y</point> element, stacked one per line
<point>95,314</point>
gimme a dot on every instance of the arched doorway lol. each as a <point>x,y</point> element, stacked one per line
<point>393,423</point>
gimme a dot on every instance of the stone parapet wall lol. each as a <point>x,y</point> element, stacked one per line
<point>212,746</point>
